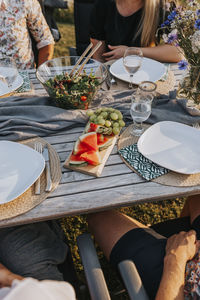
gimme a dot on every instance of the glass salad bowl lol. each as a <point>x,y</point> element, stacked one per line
<point>71,91</point>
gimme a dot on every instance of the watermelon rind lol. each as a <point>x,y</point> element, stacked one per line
<point>105,145</point>
<point>76,149</point>
<point>86,156</point>
<point>87,127</point>
<point>78,163</point>
<point>76,160</point>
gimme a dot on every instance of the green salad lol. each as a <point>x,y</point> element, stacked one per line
<point>72,91</point>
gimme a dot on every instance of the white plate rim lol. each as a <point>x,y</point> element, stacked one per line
<point>120,63</point>
<point>16,84</point>
<point>35,176</point>
<point>154,126</point>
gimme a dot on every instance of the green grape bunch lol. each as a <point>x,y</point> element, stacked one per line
<point>110,120</point>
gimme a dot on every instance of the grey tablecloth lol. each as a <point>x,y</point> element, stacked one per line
<point>22,118</point>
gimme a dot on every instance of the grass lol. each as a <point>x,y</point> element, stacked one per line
<point>67,40</point>
<point>148,213</point>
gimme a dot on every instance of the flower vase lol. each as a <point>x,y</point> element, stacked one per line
<point>189,87</point>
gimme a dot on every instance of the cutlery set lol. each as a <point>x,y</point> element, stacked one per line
<point>45,152</point>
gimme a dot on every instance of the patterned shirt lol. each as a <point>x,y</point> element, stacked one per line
<point>17,19</point>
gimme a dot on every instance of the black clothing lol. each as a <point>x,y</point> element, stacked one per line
<point>108,25</point>
<point>146,248</point>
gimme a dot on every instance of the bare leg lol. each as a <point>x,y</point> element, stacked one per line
<point>109,226</point>
<point>194,207</point>
<point>186,209</point>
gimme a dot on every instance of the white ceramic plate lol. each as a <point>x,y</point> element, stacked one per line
<point>5,90</point>
<point>20,167</point>
<point>172,145</point>
<point>150,70</point>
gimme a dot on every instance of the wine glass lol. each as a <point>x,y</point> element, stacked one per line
<point>8,71</point>
<point>132,61</point>
<point>141,105</point>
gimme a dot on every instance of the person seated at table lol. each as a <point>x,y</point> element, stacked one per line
<point>18,21</point>
<point>16,287</point>
<point>160,252</point>
<point>130,23</point>
<point>36,250</point>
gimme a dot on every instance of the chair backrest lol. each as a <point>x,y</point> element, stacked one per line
<point>94,274</point>
<point>82,11</point>
<point>132,280</point>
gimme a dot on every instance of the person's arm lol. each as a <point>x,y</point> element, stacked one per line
<point>40,31</point>
<point>180,248</point>
<point>45,53</point>
<point>7,277</point>
<point>162,53</point>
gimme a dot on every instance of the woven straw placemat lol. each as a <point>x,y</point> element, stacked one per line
<point>28,199</point>
<point>172,178</point>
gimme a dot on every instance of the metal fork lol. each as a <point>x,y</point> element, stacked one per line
<point>38,148</point>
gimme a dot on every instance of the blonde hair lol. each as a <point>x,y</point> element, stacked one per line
<point>149,23</point>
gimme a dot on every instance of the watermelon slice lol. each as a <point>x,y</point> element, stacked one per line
<point>103,141</point>
<point>76,160</point>
<point>89,140</point>
<point>80,147</point>
<point>92,157</point>
<point>92,127</point>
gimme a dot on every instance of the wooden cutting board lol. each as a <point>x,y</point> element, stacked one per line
<point>89,169</point>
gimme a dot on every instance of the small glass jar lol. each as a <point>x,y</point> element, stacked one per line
<point>146,88</point>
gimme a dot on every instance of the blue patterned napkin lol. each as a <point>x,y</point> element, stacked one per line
<point>142,165</point>
<point>26,86</point>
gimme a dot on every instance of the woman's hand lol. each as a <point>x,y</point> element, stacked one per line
<point>7,277</point>
<point>182,246</point>
<point>179,249</point>
<point>115,53</point>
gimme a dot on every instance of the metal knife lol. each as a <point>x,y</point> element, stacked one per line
<point>45,154</point>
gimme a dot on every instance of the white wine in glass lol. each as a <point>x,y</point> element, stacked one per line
<point>132,61</point>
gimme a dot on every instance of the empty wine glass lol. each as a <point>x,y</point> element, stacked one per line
<point>141,105</point>
<point>8,71</point>
<point>132,61</point>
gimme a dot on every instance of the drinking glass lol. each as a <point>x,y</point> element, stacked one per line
<point>132,61</point>
<point>141,105</point>
<point>8,71</point>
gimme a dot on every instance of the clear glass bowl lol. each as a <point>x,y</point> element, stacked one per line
<point>71,92</point>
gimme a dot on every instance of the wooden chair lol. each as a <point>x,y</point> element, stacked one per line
<point>95,278</point>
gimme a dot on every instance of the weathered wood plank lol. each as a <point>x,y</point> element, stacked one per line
<point>73,176</point>
<point>96,184</point>
<point>104,199</point>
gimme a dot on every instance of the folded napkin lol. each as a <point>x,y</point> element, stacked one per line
<point>26,86</point>
<point>142,165</point>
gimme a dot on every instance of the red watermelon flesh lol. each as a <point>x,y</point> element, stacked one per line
<point>92,157</point>
<point>80,147</point>
<point>76,160</point>
<point>101,139</point>
<point>89,140</point>
<point>93,127</point>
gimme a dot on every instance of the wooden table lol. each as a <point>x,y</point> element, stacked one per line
<point>79,193</point>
